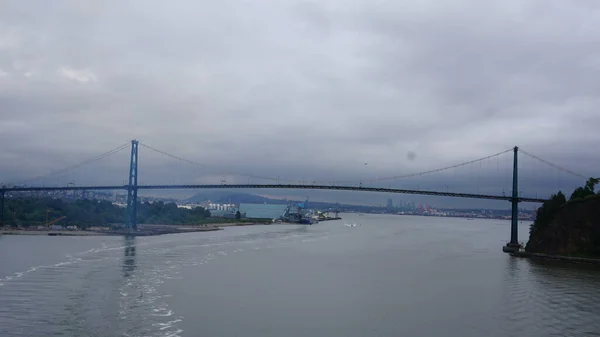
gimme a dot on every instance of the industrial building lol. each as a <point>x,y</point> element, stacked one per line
<point>221,210</point>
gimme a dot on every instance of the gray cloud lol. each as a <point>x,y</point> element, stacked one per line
<point>301,90</point>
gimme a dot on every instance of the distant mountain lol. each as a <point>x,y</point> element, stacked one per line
<point>212,195</point>
<point>248,198</point>
<point>232,197</point>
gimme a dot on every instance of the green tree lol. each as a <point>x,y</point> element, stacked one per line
<point>84,213</point>
<point>546,212</point>
<point>591,184</point>
<point>587,190</point>
<point>238,215</point>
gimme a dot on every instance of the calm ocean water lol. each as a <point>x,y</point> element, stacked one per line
<point>386,276</point>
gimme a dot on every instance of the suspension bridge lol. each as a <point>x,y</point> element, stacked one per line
<point>132,187</point>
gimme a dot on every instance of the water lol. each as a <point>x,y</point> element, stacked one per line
<point>387,276</point>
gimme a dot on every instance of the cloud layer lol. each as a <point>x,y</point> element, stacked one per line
<point>301,90</point>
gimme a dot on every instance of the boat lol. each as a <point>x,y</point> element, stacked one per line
<point>298,214</point>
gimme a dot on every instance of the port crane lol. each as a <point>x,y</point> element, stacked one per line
<point>50,223</point>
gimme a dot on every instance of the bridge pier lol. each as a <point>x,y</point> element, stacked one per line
<point>1,208</point>
<point>132,188</point>
<point>514,245</point>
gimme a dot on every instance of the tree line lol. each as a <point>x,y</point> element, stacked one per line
<point>550,208</point>
<point>84,213</point>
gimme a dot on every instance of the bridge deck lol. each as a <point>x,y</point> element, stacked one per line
<point>273,186</point>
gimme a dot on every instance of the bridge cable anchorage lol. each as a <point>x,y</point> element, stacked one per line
<point>440,169</point>
<point>209,168</point>
<point>76,166</point>
<point>553,165</point>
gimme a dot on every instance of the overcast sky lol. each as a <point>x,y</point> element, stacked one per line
<point>303,90</point>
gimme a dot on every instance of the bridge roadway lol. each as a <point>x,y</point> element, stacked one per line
<point>279,186</point>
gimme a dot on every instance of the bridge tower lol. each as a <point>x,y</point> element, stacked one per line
<point>514,245</point>
<point>132,188</point>
<point>2,206</point>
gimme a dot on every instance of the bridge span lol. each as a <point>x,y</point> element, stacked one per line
<point>133,187</point>
<point>273,186</point>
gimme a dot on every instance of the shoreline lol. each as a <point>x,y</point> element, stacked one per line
<point>50,233</point>
<point>561,258</point>
<point>143,230</point>
<point>107,232</point>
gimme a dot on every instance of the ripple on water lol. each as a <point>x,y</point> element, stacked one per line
<point>127,294</point>
<point>141,293</point>
<point>144,307</point>
<point>544,300</point>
